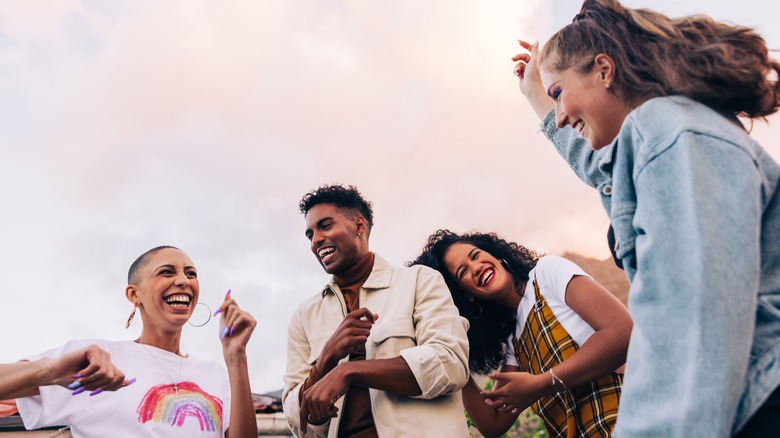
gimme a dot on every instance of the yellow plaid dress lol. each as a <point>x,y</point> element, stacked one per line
<point>589,410</point>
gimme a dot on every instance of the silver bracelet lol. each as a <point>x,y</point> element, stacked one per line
<point>557,379</point>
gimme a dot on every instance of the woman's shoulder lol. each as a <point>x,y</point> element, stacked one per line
<point>659,122</point>
<point>549,263</point>
<point>553,274</point>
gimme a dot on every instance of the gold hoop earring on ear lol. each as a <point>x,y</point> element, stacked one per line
<point>130,319</point>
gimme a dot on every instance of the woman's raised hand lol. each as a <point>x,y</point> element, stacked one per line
<point>236,325</point>
<point>530,81</point>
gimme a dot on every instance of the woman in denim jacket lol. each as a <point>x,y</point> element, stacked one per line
<point>693,200</point>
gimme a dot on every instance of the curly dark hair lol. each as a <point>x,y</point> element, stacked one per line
<point>492,325</point>
<point>723,66</point>
<point>344,198</point>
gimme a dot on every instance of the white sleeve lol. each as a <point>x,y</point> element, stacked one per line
<point>51,407</point>
<point>510,358</point>
<point>553,273</point>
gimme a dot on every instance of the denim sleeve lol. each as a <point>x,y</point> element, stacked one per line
<point>578,154</point>
<point>693,296</point>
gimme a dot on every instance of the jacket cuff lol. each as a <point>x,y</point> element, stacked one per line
<point>548,125</point>
<point>292,411</point>
<point>428,370</point>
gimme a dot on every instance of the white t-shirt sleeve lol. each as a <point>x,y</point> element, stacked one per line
<point>510,358</point>
<point>553,273</point>
<point>50,407</point>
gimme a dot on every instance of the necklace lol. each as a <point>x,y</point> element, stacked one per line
<point>178,374</point>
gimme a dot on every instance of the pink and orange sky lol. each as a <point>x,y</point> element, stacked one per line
<point>200,124</point>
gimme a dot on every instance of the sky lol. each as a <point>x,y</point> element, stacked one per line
<point>131,124</point>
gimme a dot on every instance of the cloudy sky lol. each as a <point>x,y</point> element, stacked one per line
<point>200,124</point>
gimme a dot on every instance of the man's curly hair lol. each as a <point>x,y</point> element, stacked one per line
<point>491,324</point>
<point>347,199</point>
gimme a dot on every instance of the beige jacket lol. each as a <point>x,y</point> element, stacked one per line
<point>417,321</point>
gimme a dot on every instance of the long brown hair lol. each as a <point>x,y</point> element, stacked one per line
<point>725,67</point>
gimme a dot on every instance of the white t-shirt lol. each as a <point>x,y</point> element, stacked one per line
<point>149,407</point>
<point>553,275</point>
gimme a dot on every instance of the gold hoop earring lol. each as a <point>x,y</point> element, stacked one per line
<point>130,319</point>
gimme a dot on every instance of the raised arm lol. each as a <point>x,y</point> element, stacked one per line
<point>236,327</point>
<point>574,149</point>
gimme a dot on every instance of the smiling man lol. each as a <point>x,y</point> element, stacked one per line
<point>380,350</point>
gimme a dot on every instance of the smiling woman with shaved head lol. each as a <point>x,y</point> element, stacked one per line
<point>170,393</point>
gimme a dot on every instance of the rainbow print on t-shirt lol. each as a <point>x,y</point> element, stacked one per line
<point>162,404</point>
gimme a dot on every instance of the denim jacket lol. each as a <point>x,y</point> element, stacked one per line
<point>695,207</point>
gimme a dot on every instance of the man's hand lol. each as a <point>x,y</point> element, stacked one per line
<point>317,404</point>
<point>351,334</point>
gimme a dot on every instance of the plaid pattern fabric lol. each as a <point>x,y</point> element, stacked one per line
<point>589,410</point>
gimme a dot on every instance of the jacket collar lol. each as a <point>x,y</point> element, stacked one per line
<point>380,277</point>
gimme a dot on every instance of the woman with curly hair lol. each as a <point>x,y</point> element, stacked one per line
<point>693,200</point>
<point>557,335</point>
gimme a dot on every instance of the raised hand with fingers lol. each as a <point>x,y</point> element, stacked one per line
<point>236,325</point>
<point>530,81</point>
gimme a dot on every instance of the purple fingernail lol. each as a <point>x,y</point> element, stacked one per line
<point>228,293</point>
<point>74,385</point>
<point>231,331</point>
<point>96,392</point>
<point>77,376</point>
<point>130,382</point>
<point>217,312</point>
<point>78,391</point>
<point>224,332</point>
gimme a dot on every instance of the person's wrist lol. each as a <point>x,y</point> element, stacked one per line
<point>540,102</point>
<point>544,386</point>
<point>235,354</point>
<point>347,370</point>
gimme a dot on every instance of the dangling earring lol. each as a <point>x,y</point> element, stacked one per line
<point>475,305</point>
<point>130,319</point>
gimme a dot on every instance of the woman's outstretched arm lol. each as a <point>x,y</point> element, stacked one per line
<point>91,364</point>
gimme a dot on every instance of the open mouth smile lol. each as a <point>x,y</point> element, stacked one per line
<point>178,301</point>
<point>326,253</point>
<point>486,277</point>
